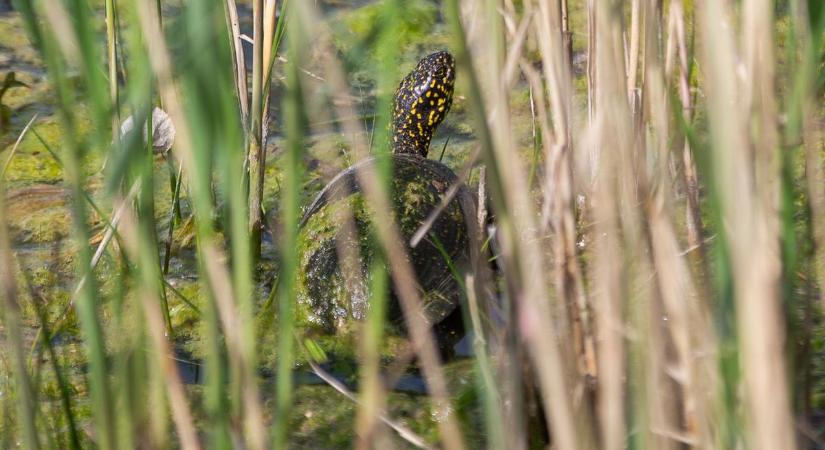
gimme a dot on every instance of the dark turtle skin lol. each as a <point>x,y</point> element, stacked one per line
<point>421,102</point>
<point>331,298</point>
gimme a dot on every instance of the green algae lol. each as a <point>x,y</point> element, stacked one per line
<point>33,163</point>
<point>324,419</point>
<point>34,168</point>
<point>47,222</point>
<point>360,24</point>
<point>38,215</point>
<point>15,41</point>
<point>329,305</point>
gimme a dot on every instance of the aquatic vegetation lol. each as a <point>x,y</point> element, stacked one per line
<point>652,205</point>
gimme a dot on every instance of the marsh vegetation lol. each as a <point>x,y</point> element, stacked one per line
<point>650,188</point>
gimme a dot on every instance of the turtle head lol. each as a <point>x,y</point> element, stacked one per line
<point>421,103</point>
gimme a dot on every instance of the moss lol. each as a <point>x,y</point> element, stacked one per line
<point>34,164</point>
<point>24,101</point>
<point>34,168</point>
<point>328,305</point>
<point>14,39</point>
<point>184,235</point>
<point>323,419</point>
<point>183,316</point>
<point>38,214</point>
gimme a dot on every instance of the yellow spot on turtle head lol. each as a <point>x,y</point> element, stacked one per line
<point>432,84</point>
<point>429,93</point>
<point>441,108</point>
<point>441,101</point>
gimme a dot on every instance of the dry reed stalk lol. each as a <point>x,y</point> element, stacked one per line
<point>613,205</point>
<point>747,177</point>
<point>448,197</point>
<point>697,346</point>
<point>607,305</point>
<point>402,273</point>
<point>592,150</point>
<point>688,330</point>
<point>482,213</point>
<point>13,334</point>
<point>216,271</point>
<point>674,285</point>
<point>567,35</point>
<point>764,348</point>
<point>557,210</point>
<point>813,137</point>
<point>404,279</point>
<point>60,23</point>
<point>368,433</point>
<point>268,57</point>
<point>686,327</point>
<point>13,151</point>
<point>150,303</point>
<point>239,62</point>
<point>255,152</point>
<point>111,47</point>
<point>492,398</point>
<point>221,287</point>
<point>678,46</point>
<point>518,395</point>
<point>665,396</point>
<point>632,56</point>
<point>508,76</point>
<point>511,359</point>
<point>523,262</point>
<point>161,62</point>
<point>801,127</point>
<point>270,7</point>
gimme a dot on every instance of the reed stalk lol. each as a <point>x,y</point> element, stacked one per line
<point>256,150</point>
<point>515,223</point>
<point>290,216</point>
<point>24,394</point>
<point>748,195</point>
<point>111,47</point>
<point>657,257</point>
<point>78,43</point>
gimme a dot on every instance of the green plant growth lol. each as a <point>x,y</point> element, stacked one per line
<point>9,82</point>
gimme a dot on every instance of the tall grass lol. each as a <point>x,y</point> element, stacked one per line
<point>658,243</point>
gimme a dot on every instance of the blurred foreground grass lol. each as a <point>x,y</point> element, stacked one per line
<point>655,170</point>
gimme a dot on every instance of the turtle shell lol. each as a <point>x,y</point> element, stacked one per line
<point>328,300</point>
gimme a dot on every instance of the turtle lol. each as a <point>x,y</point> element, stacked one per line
<point>330,302</point>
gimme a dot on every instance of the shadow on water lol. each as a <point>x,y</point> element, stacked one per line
<point>191,371</point>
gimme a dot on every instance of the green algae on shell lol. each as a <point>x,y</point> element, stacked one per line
<point>326,301</point>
